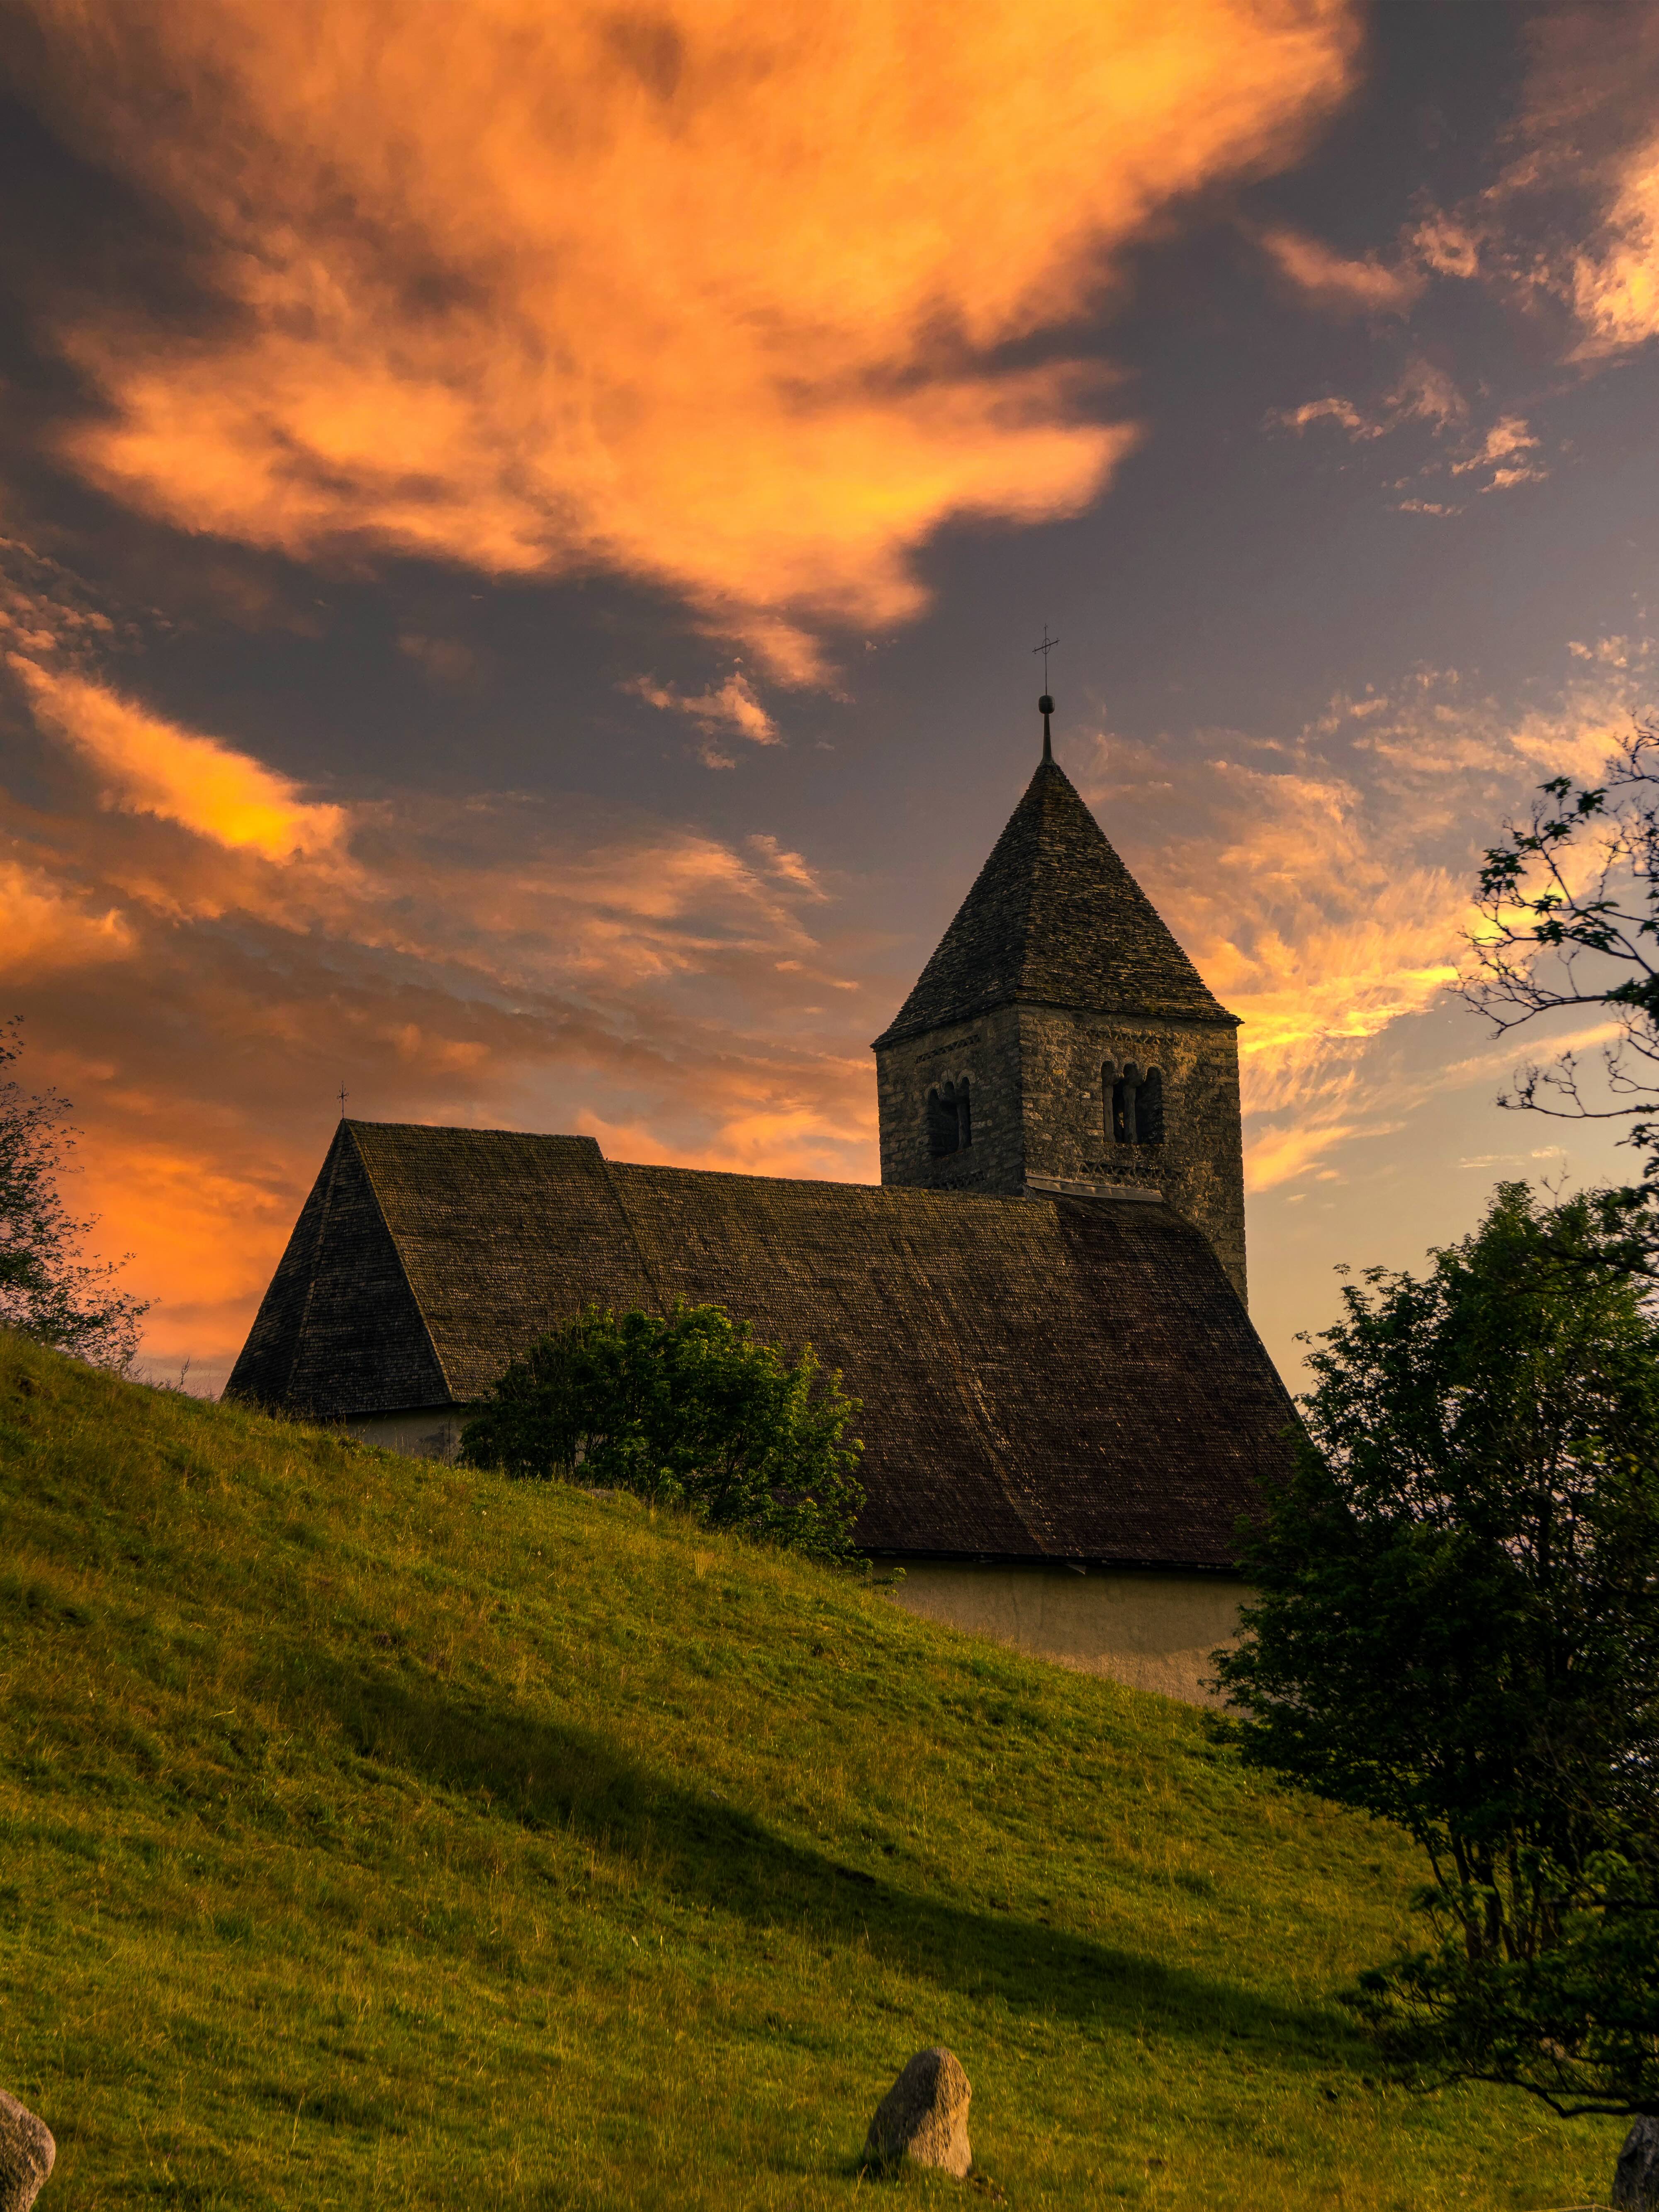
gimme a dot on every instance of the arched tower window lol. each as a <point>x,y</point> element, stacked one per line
<point>1117,1090</point>
<point>949,1123</point>
<point>942,1120</point>
<point>1134,1100</point>
<point>1149,1109</point>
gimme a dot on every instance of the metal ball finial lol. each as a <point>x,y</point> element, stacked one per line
<point>1045,704</point>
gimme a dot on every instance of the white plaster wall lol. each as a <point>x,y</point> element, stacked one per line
<point>423,1432</point>
<point>1153,1631</point>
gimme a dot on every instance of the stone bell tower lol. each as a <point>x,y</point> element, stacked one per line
<point>1061,1039</point>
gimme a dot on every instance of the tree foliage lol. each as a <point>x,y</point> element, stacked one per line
<point>46,1290</point>
<point>1455,1627</point>
<point>689,1410</point>
<point>1568,907</point>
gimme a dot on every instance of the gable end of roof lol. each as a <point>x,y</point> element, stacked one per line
<point>340,1332</point>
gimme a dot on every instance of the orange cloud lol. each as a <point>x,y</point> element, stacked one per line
<point>1335,282</point>
<point>1509,450</point>
<point>45,927</point>
<point>733,709</point>
<point>1615,279</point>
<point>1318,931</point>
<point>146,765</point>
<point>1279,1156</point>
<point>1422,394</point>
<point>488,890</point>
<point>708,294</point>
<point>1586,135</point>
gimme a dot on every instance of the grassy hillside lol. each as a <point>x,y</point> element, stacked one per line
<point>373,1835</point>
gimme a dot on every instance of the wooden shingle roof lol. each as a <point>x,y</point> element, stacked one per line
<point>1055,916</point>
<point>1043,1378</point>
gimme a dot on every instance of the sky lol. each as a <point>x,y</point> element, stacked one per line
<point>523,527</point>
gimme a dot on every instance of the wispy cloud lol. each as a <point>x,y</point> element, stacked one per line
<point>1509,451</point>
<point>729,710</point>
<point>1573,221</point>
<point>1342,284</point>
<point>1322,883</point>
<point>1333,408</point>
<point>145,764</point>
<point>444,659</point>
<point>1567,230</point>
<point>1422,392</point>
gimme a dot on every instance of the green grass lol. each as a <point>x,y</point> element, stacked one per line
<point>377,1834</point>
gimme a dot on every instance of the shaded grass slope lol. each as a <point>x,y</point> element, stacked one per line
<point>375,1833</point>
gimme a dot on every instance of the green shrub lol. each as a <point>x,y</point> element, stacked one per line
<point>689,1410</point>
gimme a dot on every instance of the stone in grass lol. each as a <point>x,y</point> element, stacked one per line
<point>1636,2177</point>
<point>924,2116</point>
<point>27,2152</point>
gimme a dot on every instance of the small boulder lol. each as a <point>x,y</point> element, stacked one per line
<point>924,2116</point>
<point>1636,2177</point>
<point>27,2152</point>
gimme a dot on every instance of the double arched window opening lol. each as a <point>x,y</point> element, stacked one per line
<point>950,1124</point>
<point>1135,1103</point>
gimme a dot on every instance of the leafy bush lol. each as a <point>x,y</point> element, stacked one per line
<point>689,1410</point>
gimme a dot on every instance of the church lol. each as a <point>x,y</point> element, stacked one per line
<point>1066,1412</point>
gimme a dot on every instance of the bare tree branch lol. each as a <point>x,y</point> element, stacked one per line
<point>1569,921</point>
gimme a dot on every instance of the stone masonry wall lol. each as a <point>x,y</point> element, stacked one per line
<point>1038,1110</point>
<point>987,1052</point>
<point>1199,1166</point>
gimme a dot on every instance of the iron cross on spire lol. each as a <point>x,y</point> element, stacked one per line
<point>343,1095</point>
<point>1045,704</point>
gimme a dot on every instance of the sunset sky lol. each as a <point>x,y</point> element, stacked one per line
<point>523,526</point>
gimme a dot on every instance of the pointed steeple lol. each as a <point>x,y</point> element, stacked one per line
<point>1055,918</point>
